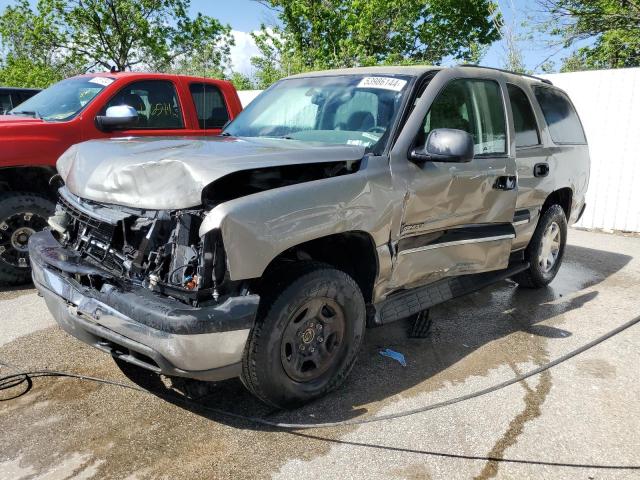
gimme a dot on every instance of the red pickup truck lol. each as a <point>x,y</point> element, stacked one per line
<point>35,133</point>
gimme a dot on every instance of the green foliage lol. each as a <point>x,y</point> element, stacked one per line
<point>240,81</point>
<point>613,25</point>
<point>320,34</point>
<point>22,72</point>
<point>80,35</point>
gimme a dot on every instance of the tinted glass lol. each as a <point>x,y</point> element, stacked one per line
<point>561,117</point>
<point>64,100</point>
<point>474,106</point>
<point>345,109</point>
<point>210,107</point>
<point>156,102</point>
<point>524,120</point>
<point>5,103</point>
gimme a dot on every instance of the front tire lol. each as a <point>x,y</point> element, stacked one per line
<point>21,214</point>
<point>545,250</point>
<point>306,338</point>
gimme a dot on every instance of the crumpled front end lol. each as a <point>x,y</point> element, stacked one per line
<point>144,287</point>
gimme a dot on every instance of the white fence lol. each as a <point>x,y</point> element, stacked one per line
<point>608,102</point>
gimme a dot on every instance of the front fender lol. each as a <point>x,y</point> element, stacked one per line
<point>257,228</point>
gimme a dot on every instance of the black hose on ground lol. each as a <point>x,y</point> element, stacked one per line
<point>26,377</point>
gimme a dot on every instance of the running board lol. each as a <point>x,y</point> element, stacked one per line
<point>410,302</point>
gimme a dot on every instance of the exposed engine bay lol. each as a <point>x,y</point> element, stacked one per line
<point>159,250</point>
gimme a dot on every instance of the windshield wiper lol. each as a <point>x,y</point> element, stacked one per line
<point>225,134</point>
<point>33,114</point>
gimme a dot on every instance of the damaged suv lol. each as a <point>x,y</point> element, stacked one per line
<point>336,200</point>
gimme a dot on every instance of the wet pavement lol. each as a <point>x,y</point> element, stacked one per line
<point>563,423</point>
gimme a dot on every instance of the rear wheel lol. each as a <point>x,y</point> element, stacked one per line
<point>307,337</point>
<point>21,215</point>
<point>545,250</point>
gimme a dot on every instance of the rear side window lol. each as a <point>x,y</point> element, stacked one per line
<point>524,121</point>
<point>561,117</point>
<point>210,107</point>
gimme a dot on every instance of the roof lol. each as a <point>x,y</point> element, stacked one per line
<point>19,89</point>
<point>412,71</point>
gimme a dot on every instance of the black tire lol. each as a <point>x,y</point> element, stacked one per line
<point>421,324</point>
<point>540,274</point>
<point>306,337</point>
<point>21,213</point>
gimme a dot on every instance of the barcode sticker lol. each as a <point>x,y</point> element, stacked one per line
<point>384,83</point>
<point>104,81</point>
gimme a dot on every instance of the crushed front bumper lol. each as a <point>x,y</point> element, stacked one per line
<point>138,326</point>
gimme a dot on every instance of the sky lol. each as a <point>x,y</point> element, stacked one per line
<point>245,16</point>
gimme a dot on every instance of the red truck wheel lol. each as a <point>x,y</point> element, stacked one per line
<point>21,214</point>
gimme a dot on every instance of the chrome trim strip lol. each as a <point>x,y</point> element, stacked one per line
<point>521,222</point>
<point>457,242</point>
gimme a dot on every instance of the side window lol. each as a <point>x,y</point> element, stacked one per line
<point>524,120</point>
<point>474,106</point>
<point>5,103</point>
<point>210,107</point>
<point>358,114</point>
<point>561,117</point>
<point>156,102</point>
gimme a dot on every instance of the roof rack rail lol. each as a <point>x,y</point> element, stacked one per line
<point>544,80</point>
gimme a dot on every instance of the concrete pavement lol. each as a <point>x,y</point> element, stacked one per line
<point>561,424</point>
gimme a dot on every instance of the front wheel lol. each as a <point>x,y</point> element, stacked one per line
<point>21,215</point>
<point>306,340</point>
<point>545,250</point>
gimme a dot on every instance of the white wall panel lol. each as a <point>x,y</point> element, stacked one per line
<point>608,102</point>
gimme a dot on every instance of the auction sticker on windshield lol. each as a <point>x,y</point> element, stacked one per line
<point>384,83</point>
<point>104,81</point>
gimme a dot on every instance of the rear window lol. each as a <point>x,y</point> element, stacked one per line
<point>210,107</point>
<point>561,117</point>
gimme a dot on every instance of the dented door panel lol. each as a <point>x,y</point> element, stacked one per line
<point>442,197</point>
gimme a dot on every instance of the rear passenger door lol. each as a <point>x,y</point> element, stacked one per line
<point>456,217</point>
<point>532,160</point>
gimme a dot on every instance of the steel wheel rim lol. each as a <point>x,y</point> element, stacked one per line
<point>550,249</point>
<point>15,232</point>
<point>313,339</point>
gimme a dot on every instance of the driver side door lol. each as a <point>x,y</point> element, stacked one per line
<point>456,218</point>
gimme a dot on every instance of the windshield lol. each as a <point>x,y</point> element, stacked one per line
<point>346,109</point>
<point>64,100</point>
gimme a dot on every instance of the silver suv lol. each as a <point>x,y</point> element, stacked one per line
<point>337,200</point>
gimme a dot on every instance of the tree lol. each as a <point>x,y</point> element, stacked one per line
<point>319,34</point>
<point>612,25</point>
<point>127,34</point>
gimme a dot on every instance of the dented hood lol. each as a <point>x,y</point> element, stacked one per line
<point>170,173</point>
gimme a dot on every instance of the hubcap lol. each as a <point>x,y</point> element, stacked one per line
<point>312,339</point>
<point>14,237</point>
<point>550,247</point>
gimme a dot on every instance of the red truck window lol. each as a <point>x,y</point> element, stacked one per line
<point>156,102</point>
<point>210,107</point>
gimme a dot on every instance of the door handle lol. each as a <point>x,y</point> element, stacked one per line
<point>541,170</point>
<point>505,182</point>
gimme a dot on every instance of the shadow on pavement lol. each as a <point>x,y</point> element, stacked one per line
<point>502,325</point>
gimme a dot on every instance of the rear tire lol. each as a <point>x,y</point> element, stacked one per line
<point>545,250</point>
<point>21,214</point>
<point>306,337</point>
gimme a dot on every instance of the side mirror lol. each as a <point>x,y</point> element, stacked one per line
<point>445,145</point>
<point>120,117</point>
